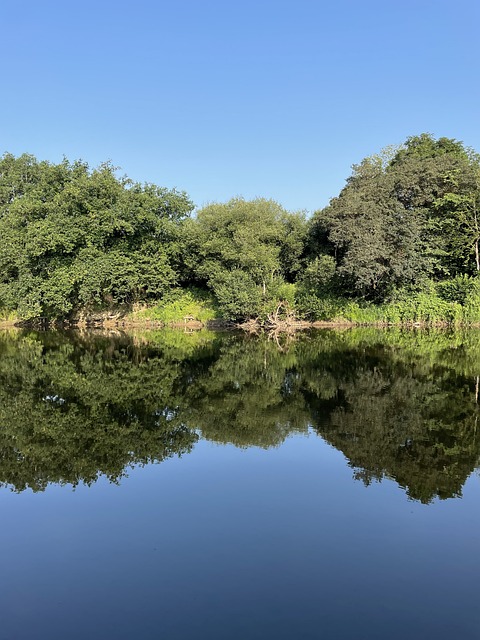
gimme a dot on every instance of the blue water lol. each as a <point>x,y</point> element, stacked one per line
<point>229,490</point>
<point>230,543</point>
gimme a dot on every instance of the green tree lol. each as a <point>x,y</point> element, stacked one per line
<point>376,241</point>
<point>243,249</point>
<point>75,238</point>
<point>402,217</point>
<point>438,178</point>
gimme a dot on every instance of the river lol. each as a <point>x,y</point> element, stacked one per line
<point>221,486</point>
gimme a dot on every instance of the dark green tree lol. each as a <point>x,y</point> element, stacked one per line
<point>74,238</point>
<point>377,242</point>
<point>403,217</point>
<point>439,179</point>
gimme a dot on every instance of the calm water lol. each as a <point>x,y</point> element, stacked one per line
<point>177,486</point>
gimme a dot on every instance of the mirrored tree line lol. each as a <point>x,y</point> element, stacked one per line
<point>398,404</point>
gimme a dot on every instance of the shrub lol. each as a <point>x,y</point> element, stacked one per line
<point>179,303</point>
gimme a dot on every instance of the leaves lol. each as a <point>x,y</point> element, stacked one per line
<point>403,218</point>
<point>243,250</point>
<point>76,238</point>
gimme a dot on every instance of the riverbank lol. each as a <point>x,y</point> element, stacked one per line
<point>191,325</point>
<point>223,325</point>
<point>195,309</point>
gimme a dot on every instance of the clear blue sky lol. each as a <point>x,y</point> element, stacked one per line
<point>222,98</point>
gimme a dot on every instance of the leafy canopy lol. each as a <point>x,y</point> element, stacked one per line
<point>74,237</point>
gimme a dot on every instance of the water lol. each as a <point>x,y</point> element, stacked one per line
<point>170,485</point>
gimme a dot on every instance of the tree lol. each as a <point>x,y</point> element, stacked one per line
<point>440,180</point>
<point>402,217</point>
<point>75,237</point>
<point>375,240</point>
<point>243,249</point>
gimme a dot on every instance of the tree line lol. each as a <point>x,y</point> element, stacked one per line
<point>400,239</point>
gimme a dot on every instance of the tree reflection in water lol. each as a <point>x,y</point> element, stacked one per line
<point>398,404</point>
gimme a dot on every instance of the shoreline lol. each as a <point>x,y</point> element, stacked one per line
<point>223,325</point>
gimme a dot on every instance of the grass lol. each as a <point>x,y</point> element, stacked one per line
<point>177,305</point>
<point>8,316</point>
<point>417,308</point>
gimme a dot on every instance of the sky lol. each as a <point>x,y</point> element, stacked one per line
<point>236,98</point>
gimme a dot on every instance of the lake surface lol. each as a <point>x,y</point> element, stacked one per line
<point>175,485</point>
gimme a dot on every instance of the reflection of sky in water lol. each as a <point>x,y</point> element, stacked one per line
<point>240,543</point>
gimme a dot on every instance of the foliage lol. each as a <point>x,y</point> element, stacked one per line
<point>77,238</point>
<point>237,293</point>
<point>243,251</point>
<point>458,289</point>
<point>8,316</point>
<point>399,244</point>
<point>420,307</point>
<point>439,179</point>
<point>402,218</point>
<point>377,242</point>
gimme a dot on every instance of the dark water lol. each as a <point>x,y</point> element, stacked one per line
<point>171,485</point>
